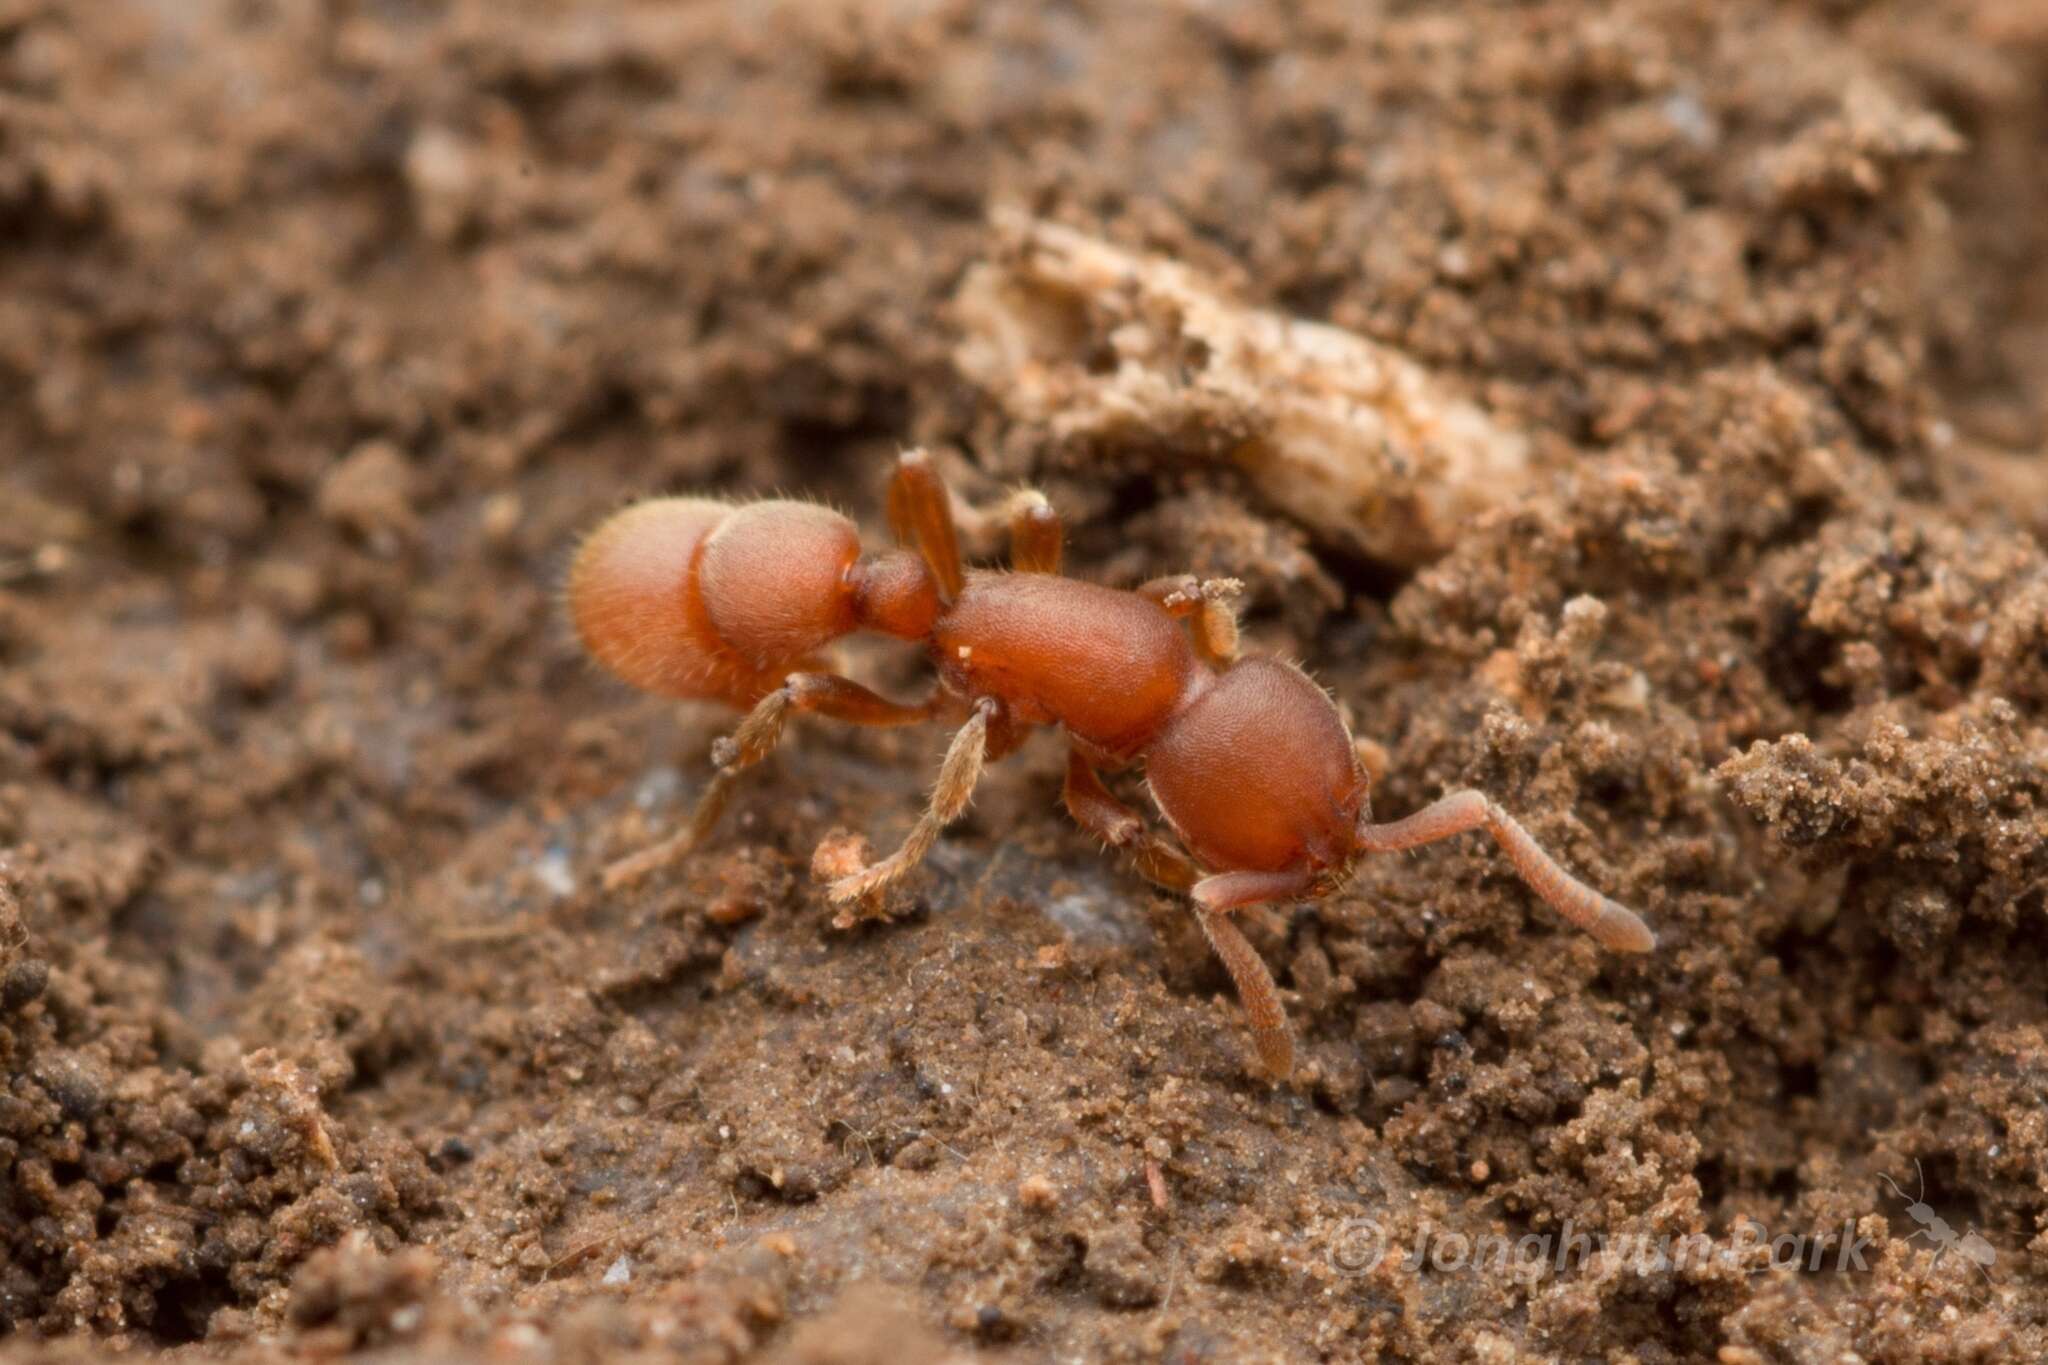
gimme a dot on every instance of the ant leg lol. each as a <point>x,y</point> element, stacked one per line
<point>1116,824</point>
<point>1206,602</point>
<point>1033,526</point>
<point>1271,1033</point>
<point>921,514</point>
<point>1215,897</point>
<point>1613,925</point>
<point>1235,890</point>
<point>820,694</point>
<point>957,776</point>
<point>1110,820</point>
<point>1034,533</point>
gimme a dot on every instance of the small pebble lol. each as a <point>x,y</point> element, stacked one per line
<point>553,872</point>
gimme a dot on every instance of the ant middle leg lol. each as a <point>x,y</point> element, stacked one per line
<point>818,694</point>
<point>958,774</point>
<point>1612,924</point>
<point>1205,604</point>
<point>1034,533</point>
<point>922,515</point>
<point>1028,517</point>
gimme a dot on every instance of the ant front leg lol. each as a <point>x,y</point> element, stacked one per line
<point>1110,820</point>
<point>1271,1033</point>
<point>1116,824</point>
<point>1215,897</point>
<point>1613,925</point>
<point>818,694</point>
<point>1205,602</point>
<point>958,774</point>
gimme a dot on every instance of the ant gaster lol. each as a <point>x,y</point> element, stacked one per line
<point>1245,757</point>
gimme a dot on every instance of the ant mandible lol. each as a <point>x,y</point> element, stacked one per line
<point>1245,757</point>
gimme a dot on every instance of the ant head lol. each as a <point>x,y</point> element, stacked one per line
<point>1259,774</point>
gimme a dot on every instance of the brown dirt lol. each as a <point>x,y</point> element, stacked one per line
<point>325,327</point>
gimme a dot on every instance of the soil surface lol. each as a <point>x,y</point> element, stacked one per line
<point>327,327</point>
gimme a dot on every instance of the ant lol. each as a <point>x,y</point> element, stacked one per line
<point>1245,757</point>
<point>1936,1230</point>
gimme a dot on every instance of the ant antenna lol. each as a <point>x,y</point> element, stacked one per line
<point>1901,1193</point>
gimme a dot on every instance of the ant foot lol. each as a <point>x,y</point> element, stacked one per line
<point>623,874</point>
<point>840,858</point>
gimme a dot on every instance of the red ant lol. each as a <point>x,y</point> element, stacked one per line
<point>1246,757</point>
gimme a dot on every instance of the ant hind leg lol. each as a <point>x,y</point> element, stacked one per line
<point>921,514</point>
<point>1236,890</point>
<point>820,694</point>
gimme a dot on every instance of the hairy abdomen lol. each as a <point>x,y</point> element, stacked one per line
<point>689,597</point>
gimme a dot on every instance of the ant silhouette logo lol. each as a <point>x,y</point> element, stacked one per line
<point>1943,1238</point>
